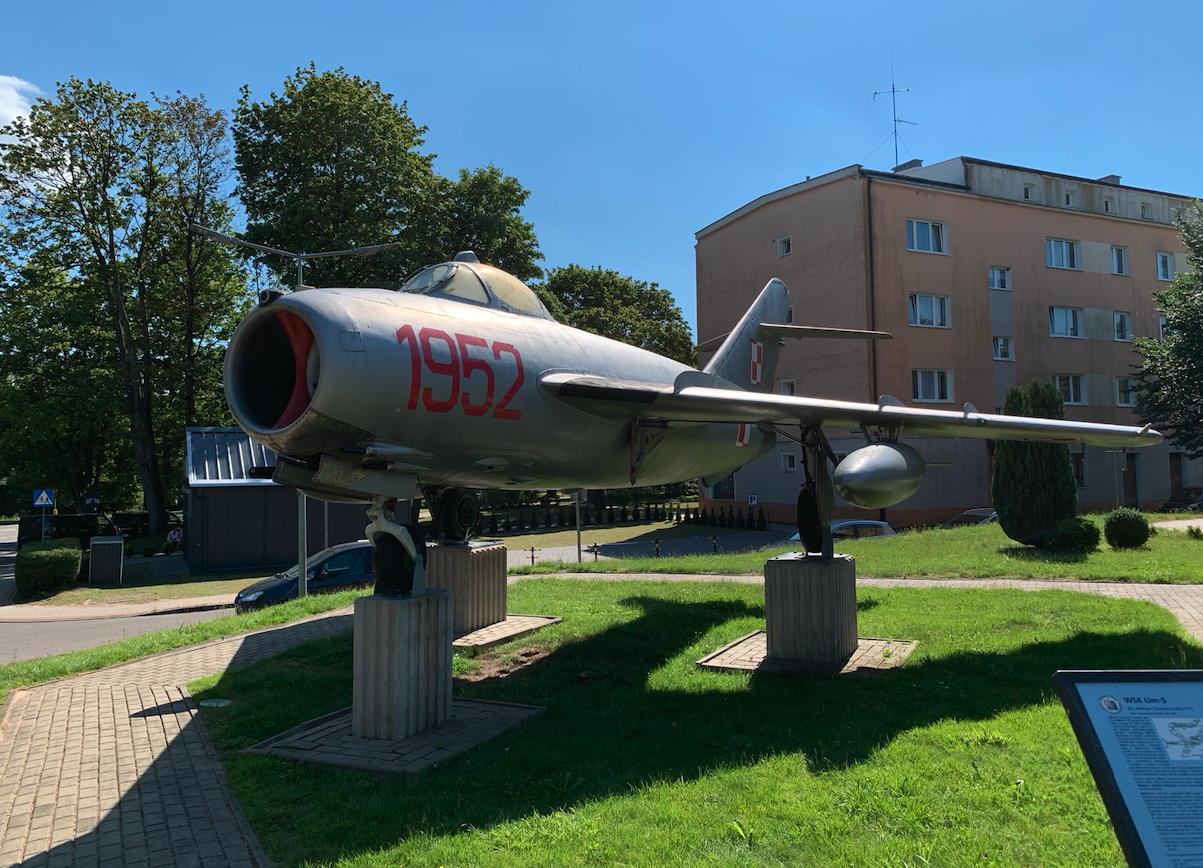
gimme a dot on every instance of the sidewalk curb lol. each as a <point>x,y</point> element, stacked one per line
<point>107,616</point>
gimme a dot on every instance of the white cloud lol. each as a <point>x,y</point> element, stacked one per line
<point>16,94</point>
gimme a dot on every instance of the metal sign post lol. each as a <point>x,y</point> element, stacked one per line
<point>44,498</point>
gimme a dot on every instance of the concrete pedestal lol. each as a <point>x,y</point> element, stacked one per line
<point>475,575</point>
<point>810,609</point>
<point>402,664</point>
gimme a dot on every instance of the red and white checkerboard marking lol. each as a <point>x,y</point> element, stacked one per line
<point>757,353</point>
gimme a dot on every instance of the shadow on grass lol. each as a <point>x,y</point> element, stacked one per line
<point>1043,556</point>
<point>607,732</point>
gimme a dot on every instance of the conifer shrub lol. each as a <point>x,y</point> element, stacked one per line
<point>1033,485</point>
<point>1072,535</point>
<point>761,522</point>
<point>46,566</point>
<point>1126,528</point>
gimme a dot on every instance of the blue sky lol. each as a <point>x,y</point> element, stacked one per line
<point>636,124</point>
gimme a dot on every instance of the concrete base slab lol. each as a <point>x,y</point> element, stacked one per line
<point>513,627</point>
<point>327,740</point>
<point>750,654</point>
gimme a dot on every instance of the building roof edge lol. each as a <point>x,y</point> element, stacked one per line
<point>1099,181</point>
<point>838,174</point>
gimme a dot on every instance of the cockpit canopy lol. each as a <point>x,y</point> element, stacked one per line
<point>477,283</point>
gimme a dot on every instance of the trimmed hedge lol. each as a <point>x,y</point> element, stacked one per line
<point>1072,535</point>
<point>1126,528</point>
<point>46,566</point>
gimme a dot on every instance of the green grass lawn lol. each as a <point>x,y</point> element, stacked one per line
<point>138,586</point>
<point>963,757</point>
<point>13,675</point>
<point>606,533</point>
<point>975,552</point>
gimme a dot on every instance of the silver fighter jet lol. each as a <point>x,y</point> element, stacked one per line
<point>462,381</point>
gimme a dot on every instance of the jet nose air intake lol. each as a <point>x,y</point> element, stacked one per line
<point>276,371</point>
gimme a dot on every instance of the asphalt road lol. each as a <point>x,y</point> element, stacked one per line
<point>44,638</point>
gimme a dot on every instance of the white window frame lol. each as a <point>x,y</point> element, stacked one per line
<point>1000,277</point>
<point>1146,210</point>
<point>933,236</point>
<point>789,387</point>
<point>1004,348</point>
<point>1121,323</point>
<point>785,246</point>
<point>1120,263</point>
<point>1109,205</point>
<point>1029,192</point>
<point>940,303</point>
<point>1071,198</point>
<point>1071,316</point>
<point>1166,259</point>
<point>940,379</point>
<point>789,462</point>
<point>1071,388</point>
<point>1066,249</point>
<point>1120,392</point>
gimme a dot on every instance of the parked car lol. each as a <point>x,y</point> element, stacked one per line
<point>337,568</point>
<point>982,515</point>
<point>1187,500</point>
<point>82,526</point>
<point>857,528</point>
<point>132,524</point>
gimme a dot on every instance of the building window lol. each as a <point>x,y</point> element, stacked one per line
<point>788,387</point>
<point>1109,205</point>
<point>1165,266</point>
<point>1146,211</point>
<point>724,489</point>
<point>789,462</point>
<point>784,246</point>
<point>1000,278</point>
<point>931,386</point>
<point>1161,328</point>
<point>926,236</point>
<point>1125,392</point>
<point>1078,460</point>
<point>929,310</point>
<point>1119,260</point>
<point>1071,198</point>
<point>1123,325</point>
<point>1061,253</point>
<point>1003,349</point>
<point>1071,387</point>
<point>1064,322</point>
<point>1029,193</point>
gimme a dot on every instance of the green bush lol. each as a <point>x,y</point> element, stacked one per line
<point>46,566</point>
<point>169,548</point>
<point>1125,528</point>
<point>1194,532</point>
<point>128,551</point>
<point>1072,535</point>
<point>148,552</point>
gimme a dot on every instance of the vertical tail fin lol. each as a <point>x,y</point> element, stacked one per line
<point>748,357</point>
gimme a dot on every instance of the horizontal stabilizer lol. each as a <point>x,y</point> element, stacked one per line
<point>782,330</point>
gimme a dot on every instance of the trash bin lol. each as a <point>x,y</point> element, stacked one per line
<point>105,560</point>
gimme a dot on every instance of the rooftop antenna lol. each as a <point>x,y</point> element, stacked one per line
<point>299,258</point>
<point>893,92</point>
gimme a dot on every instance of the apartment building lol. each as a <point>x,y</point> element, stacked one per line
<point>986,275</point>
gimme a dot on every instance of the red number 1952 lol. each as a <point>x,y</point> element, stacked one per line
<point>459,365</point>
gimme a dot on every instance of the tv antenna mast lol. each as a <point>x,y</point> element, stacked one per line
<point>893,92</point>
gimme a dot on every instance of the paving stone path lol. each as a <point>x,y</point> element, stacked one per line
<point>113,768</point>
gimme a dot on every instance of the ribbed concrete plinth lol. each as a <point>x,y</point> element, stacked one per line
<point>475,575</point>
<point>402,664</point>
<point>810,609</point>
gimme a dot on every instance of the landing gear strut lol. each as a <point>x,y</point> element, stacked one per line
<point>817,496</point>
<point>400,549</point>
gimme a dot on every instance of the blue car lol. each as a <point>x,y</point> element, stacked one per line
<point>337,568</point>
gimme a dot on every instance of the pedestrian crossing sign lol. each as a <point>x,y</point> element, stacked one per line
<point>43,497</point>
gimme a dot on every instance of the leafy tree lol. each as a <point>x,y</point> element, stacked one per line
<point>97,188</point>
<point>481,214</point>
<point>615,306</point>
<point>1033,483</point>
<point>1170,379</point>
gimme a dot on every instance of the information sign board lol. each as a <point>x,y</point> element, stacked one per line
<point>91,501</point>
<point>1141,732</point>
<point>43,497</point>
<point>752,499</point>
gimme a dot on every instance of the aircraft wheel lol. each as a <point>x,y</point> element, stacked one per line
<point>810,529</point>
<point>393,566</point>
<point>459,512</point>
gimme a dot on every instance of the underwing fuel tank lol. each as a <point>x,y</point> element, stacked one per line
<point>879,475</point>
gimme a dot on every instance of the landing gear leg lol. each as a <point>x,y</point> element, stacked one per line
<point>817,497</point>
<point>400,550</point>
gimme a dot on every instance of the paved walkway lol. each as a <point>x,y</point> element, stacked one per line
<point>113,768</point>
<point>28,612</point>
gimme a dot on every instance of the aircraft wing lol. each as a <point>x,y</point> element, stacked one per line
<point>630,399</point>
